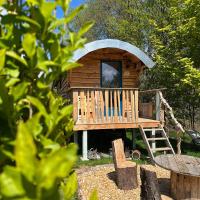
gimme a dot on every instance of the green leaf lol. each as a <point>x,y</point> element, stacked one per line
<point>74,13</point>
<point>49,144</point>
<point>94,195</point>
<point>25,151</point>
<point>46,64</point>
<point>12,54</point>
<point>69,65</point>
<point>85,28</point>
<point>42,85</point>
<point>28,20</point>
<point>2,2</point>
<point>64,4</point>
<point>47,9</point>
<point>12,81</point>
<point>11,183</point>
<point>40,55</point>
<point>63,161</point>
<point>3,57</point>
<point>65,112</point>
<point>33,2</point>
<point>34,126</point>
<point>69,188</point>
<point>29,44</point>
<point>19,90</point>
<point>38,104</point>
<point>11,70</point>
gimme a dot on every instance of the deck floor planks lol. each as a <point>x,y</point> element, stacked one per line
<point>146,123</point>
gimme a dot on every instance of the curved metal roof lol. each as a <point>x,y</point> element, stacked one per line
<point>113,43</point>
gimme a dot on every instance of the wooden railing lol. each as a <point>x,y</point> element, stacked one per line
<point>150,105</point>
<point>104,105</point>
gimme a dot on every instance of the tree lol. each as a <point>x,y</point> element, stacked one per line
<point>174,40</point>
<point>35,49</point>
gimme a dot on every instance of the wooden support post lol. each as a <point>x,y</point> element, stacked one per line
<point>158,106</point>
<point>153,135</point>
<point>134,139</point>
<point>76,138</point>
<point>84,146</point>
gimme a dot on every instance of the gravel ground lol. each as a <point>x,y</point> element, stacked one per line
<point>102,178</point>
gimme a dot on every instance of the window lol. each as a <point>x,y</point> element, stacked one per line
<point>111,74</point>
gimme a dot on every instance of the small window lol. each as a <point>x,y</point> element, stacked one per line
<point>111,74</point>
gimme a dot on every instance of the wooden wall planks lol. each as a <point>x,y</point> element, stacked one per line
<point>89,74</point>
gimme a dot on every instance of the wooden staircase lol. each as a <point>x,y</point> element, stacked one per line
<point>151,141</point>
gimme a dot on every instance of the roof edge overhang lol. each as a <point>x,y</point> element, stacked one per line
<point>113,43</point>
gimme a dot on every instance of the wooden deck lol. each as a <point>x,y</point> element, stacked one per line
<point>141,121</point>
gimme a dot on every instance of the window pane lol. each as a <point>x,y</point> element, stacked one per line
<point>111,74</point>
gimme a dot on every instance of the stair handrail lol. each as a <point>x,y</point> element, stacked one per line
<point>177,123</point>
<point>170,111</point>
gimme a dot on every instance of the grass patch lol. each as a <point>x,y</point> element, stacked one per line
<point>101,161</point>
<point>104,161</point>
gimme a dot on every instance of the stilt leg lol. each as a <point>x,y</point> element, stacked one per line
<point>76,138</point>
<point>84,146</point>
<point>153,135</point>
<point>133,139</point>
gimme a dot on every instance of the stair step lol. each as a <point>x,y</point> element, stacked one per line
<point>156,129</point>
<point>162,149</point>
<point>159,138</point>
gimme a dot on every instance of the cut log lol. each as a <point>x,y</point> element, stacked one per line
<point>126,171</point>
<point>149,187</point>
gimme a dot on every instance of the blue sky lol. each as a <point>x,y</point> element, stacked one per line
<point>74,4</point>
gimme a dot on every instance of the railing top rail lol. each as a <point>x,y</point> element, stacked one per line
<point>152,90</point>
<point>99,88</point>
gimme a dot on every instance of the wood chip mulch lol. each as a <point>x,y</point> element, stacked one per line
<point>102,178</point>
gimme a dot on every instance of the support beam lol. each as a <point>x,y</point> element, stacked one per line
<point>85,145</point>
<point>76,138</point>
<point>153,135</point>
<point>134,138</point>
<point>158,106</point>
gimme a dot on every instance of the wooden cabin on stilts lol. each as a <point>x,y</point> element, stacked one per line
<point>105,95</point>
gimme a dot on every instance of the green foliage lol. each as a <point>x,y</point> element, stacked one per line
<point>169,31</point>
<point>174,38</point>
<point>36,49</point>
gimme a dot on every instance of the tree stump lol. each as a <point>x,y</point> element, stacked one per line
<point>127,176</point>
<point>126,171</point>
<point>149,187</point>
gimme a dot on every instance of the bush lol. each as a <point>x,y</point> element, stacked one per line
<point>35,49</point>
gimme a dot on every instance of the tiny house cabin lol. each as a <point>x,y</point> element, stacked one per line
<point>104,90</point>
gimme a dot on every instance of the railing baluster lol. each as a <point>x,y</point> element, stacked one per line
<point>136,105</point>
<point>115,106</point>
<point>88,107</point>
<point>82,99</point>
<point>111,107</point>
<point>127,105</point>
<point>123,105</point>
<point>119,105</point>
<point>93,107</point>
<point>75,106</point>
<point>106,103</point>
<point>102,106</point>
<point>133,106</point>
